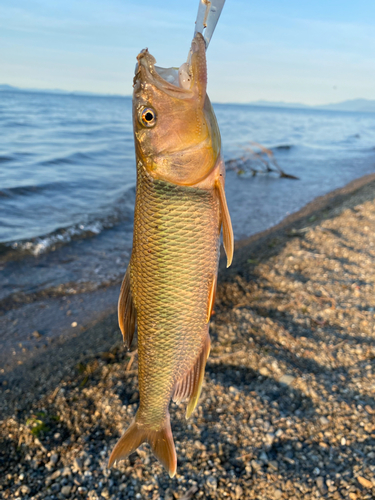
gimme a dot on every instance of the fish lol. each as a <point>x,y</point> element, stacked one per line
<point>169,287</point>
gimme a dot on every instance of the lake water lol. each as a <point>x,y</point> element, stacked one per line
<point>67,176</point>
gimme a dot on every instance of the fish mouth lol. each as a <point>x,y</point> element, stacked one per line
<point>172,80</point>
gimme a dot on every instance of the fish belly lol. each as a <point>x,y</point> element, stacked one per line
<point>173,266</point>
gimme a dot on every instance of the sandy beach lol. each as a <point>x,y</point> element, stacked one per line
<point>287,410</point>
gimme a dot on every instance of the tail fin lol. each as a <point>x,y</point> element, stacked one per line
<point>161,442</point>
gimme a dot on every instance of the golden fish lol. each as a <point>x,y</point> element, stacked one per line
<point>169,286</point>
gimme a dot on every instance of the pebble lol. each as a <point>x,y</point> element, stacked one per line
<point>287,379</point>
<point>77,464</point>
<point>66,472</point>
<point>55,475</point>
<point>211,482</point>
<point>273,465</point>
<point>24,489</point>
<point>255,465</point>
<point>365,482</point>
<point>321,486</point>
<point>369,410</point>
<point>239,491</point>
<point>269,438</point>
<point>55,487</point>
<point>65,490</point>
<point>92,495</point>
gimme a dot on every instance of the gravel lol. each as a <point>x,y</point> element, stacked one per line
<point>287,410</point>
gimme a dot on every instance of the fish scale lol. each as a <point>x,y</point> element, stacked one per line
<point>174,259</point>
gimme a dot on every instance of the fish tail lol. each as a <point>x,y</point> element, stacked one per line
<point>161,442</point>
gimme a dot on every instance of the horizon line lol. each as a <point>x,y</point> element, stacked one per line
<point>88,93</point>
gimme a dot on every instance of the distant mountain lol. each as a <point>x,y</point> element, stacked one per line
<point>5,87</point>
<point>364,105</point>
<point>356,105</point>
<point>278,104</point>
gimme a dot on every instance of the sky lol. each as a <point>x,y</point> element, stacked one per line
<point>310,52</point>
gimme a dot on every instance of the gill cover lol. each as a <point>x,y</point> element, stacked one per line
<point>181,142</point>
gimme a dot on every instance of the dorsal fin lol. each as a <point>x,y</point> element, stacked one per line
<point>126,310</point>
<point>190,386</point>
<point>228,240</point>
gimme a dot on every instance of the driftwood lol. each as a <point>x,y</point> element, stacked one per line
<point>258,160</point>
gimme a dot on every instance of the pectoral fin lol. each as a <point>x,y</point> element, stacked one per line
<point>228,240</point>
<point>126,310</point>
<point>211,298</point>
<point>190,386</point>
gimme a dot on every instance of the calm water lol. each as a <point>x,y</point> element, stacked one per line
<point>67,172</point>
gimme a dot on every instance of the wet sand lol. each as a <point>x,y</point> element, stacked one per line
<point>287,410</point>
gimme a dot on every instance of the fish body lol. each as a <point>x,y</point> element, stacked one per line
<point>169,287</point>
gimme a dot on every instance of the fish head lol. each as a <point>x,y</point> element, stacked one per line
<point>177,138</point>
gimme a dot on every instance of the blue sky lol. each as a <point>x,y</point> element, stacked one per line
<point>311,52</point>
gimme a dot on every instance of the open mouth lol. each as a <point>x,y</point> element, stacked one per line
<point>178,77</point>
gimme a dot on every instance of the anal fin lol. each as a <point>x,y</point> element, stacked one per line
<point>126,310</point>
<point>228,239</point>
<point>190,387</point>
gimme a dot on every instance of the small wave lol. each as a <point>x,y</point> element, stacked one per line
<point>41,244</point>
<point>349,139</point>
<point>68,160</point>
<point>283,147</point>
<point>4,159</point>
<point>28,190</point>
<point>121,211</point>
<point>56,161</point>
<point>118,210</point>
<point>18,124</point>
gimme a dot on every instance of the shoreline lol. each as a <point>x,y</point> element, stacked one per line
<point>313,208</point>
<point>287,409</point>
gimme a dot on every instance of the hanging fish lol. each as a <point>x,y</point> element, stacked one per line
<point>169,286</point>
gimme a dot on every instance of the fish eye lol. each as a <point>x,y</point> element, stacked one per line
<point>148,117</point>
